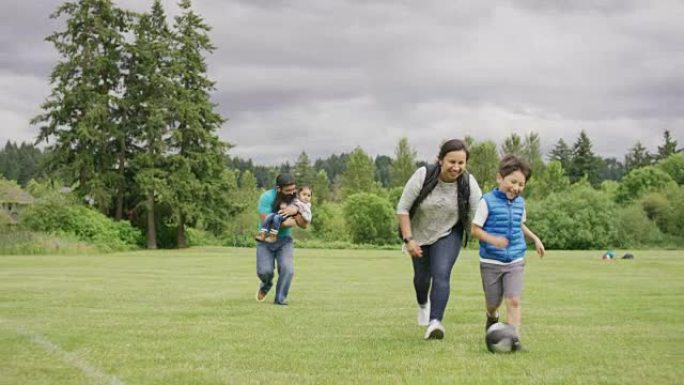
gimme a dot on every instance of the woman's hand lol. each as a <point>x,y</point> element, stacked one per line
<point>414,249</point>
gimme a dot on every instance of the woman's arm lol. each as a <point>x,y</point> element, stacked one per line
<point>405,226</point>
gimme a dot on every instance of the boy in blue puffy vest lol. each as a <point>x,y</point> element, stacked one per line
<point>499,224</point>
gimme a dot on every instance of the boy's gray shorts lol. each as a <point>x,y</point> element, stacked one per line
<point>499,281</point>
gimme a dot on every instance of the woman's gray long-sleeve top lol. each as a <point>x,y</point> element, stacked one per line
<point>438,213</point>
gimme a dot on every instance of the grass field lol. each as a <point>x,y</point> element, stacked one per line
<point>189,317</point>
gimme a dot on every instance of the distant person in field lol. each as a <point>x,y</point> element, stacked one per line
<point>271,225</point>
<point>499,224</point>
<point>278,199</point>
<point>434,214</point>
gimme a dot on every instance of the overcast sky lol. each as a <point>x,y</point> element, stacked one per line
<point>325,76</point>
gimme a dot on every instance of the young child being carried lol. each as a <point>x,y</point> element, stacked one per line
<point>271,225</point>
<point>499,224</point>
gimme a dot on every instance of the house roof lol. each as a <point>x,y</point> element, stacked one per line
<point>13,194</point>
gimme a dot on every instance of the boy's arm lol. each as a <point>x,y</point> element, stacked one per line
<point>479,233</point>
<point>538,245</point>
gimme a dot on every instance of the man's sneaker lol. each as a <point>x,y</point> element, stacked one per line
<point>260,295</point>
<point>424,314</point>
<point>283,303</point>
<point>490,321</point>
<point>435,330</point>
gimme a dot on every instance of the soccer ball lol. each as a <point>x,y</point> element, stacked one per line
<point>501,338</point>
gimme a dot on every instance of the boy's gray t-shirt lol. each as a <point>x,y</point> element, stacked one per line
<point>438,213</point>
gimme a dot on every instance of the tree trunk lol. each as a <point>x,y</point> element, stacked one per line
<point>180,233</point>
<point>122,183</point>
<point>151,223</point>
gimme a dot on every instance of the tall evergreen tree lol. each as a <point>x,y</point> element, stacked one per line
<point>265,176</point>
<point>404,164</point>
<point>637,157</point>
<point>562,153</point>
<point>532,153</point>
<point>321,188</point>
<point>669,146</point>
<point>612,169</point>
<point>513,145</point>
<point>80,113</point>
<point>483,163</point>
<point>145,109</point>
<point>584,162</point>
<point>303,171</point>
<point>551,180</point>
<point>334,165</point>
<point>196,161</point>
<point>20,162</point>
<point>383,170</point>
<point>359,174</point>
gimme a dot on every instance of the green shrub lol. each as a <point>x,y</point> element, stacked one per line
<point>197,237</point>
<point>328,223</point>
<point>666,209</point>
<point>57,215</point>
<point>640,181</point>
<point>21,242</point>
<point>673,165</point>
<point>634,229</point>
<point>580,218</point>
<point>370,219</point>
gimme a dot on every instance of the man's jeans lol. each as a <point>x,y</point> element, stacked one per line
<point>282,250</point>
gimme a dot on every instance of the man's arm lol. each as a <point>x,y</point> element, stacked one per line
<point>296,220</point>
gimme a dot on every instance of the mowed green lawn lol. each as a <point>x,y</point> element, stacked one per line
<point>189,317</point>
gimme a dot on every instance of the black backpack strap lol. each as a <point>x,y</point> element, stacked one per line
<point>464,205</point>
<point>429,183</point>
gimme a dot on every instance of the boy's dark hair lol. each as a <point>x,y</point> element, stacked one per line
<point>300,188</point>
<point>511,163</point>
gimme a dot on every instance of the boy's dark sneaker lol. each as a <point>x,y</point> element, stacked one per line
<point>261,236</point>
<point>490,321</point>
<point>518,347</point>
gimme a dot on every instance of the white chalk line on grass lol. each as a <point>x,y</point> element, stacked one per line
<point>95,374</point>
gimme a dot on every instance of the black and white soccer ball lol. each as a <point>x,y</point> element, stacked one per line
<point>502,338</point>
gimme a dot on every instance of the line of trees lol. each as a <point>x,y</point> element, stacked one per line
<point>130,126</point>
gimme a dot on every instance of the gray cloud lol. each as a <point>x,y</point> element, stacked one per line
<point>325,76</point>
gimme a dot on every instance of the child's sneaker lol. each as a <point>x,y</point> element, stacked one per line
<point>271,238</point>
<point>261,236</point>
<point>490,321</point>
<point>435,330</point>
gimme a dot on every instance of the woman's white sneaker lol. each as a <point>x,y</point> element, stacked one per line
<point>424,314</point>
<point>435,330</point>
